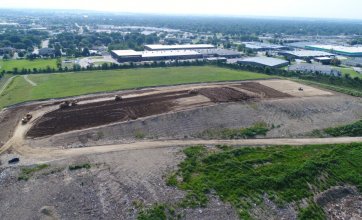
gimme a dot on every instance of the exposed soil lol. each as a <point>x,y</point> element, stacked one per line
<point>9,119</point>
<point>341,202</point>
<point>263,91</point>
<point>224,94</point>
<point>105,112</point>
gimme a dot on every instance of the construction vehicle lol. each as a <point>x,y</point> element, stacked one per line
<point>193,92</point>
<point>301,89</point>
<point>64,105</point>
<point>26,118</point>
<point>117,98</point>
<point>74,102</point>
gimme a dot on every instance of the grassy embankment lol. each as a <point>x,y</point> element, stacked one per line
<point>287,174</point>
<point>72,84</point>
<point>350,130</point>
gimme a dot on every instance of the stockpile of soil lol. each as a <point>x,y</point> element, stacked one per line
<point>264,91</point>
<point>224,94</point>
<point>101,113</point>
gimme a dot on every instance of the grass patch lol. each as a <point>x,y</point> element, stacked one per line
<point>350,130</point>
<point>313,211</point>
<point>158,212</point>
<point>27,172</point>
<point>350,71</point>
<point>241,176</point>
<point>260,128</point>
<point>9,65</point>
<point>72,84</point>
<point>139,135</point>
<point>80,166</point>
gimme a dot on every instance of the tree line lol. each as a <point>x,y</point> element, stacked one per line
<point>79,45</point>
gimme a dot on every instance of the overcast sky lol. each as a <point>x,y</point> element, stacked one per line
<point>281,8</point>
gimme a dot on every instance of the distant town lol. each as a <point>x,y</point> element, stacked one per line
<point>85,41</point>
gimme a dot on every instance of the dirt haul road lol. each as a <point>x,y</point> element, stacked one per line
<point>49,154</point>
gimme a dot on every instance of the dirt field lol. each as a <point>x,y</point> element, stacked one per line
<point>263,91</point>
<point>93,114</point>
<point>105,112</point>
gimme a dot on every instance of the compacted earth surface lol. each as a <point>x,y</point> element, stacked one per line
<point>63,174</point>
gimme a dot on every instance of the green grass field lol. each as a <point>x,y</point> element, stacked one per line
<point>350,71</point>
<point>9,65</point>
<point>71,84</point>
<point>241,176</point>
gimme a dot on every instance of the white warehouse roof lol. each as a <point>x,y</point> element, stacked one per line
<point>127,53</point>
<point>169,53</point>
<point>178,47</point>
<point>338,48</point>
<point>266,61</point>
<point>308,53</point>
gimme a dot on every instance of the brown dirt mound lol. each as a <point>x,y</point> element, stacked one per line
<point>224,94</point>
<point>101,113</point>
<point>263,91</point>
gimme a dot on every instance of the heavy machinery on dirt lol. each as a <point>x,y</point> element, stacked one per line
<point>67,104</point>
<point>194,92</point>
<point>118,98</point>
<point>26,118</point>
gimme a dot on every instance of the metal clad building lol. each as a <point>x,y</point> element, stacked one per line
<point>156,47</point>
<point>341,50</point>
<point>305,54</point>
<point>264,61</point>
<point>139,56</point>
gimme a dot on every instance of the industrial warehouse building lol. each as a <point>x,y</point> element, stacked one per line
<point>158,47</point>
<point>305,54</point>
<point>264,62</point>
<point>139,56</point>
<point>258,46</point>
<point>340,50</point>
<point>207,53</point>
<point>159,55</point>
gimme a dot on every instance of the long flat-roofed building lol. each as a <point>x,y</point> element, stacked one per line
<point>259,46</point>
<point>217,52</point>
<point>155,47</point>
<point>139,56</point>
<point>170,55</point>
<point>263,61</point>
<point>127,55</point>
<point>341,50</point>
<point>305,54</point>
